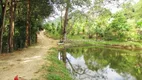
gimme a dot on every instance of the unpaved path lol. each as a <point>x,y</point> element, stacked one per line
<point>27,62</point>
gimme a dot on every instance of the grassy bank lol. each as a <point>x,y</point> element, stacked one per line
<point>78,41</point>
<point>113,44</point>
<point>54,68</point>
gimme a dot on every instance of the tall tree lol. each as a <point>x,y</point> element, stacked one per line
<point>3,6</point>
<point>68,5</point>
<point>27,42</point>
<point>11,27</point>
<point>21,22</point>
<point>65,22</point>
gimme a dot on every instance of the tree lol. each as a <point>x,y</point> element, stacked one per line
<point>27,42</point>
<point>65,22</point>
<point>37,11</point>
<point>69,5</point>
<point>138,8</point>
<point>118,29</point>
<point>3,7</point>
<point>18,29</point>
<point>11,27</point>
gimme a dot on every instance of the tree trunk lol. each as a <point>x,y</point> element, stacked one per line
<point>27,24</point>
<point>36,38</point>
<point>61,27</point>
<point>3,13</point>
<point>65,23</point>
<point>64,55</point>
<point>11,28</point>
<point>29,40</point>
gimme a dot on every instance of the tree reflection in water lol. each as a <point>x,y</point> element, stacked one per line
<point>102,64</point>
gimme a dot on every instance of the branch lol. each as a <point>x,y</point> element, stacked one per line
<point>74,69</point>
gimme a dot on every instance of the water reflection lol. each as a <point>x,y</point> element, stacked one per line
<point>102,63</point>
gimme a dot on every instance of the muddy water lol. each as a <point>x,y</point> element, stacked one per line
<point>100,63</point>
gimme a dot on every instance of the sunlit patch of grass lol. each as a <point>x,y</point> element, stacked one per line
<point>56,70</point>
<point>54,36</point>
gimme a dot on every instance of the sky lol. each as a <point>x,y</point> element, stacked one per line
<point>112,7</point>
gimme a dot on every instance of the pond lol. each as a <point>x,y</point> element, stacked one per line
<point>101,63</point>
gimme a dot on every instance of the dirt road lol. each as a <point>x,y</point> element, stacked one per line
<point>27,62</point>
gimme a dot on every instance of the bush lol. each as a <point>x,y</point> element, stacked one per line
<point>118,29</point>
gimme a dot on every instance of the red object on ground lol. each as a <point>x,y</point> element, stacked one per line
<point>16,78</point>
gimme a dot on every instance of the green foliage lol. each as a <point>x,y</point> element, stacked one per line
<point>139,23</point>
<point>138,8</point>
<point>39,10</point>
<point>53,30</point>
<point>118,29</point>
<point>100,24</point>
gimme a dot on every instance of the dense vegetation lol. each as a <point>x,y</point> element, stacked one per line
<point>88,20</point>
<point>124,25</point>
<point>19,24</point>
<point>20,20</point>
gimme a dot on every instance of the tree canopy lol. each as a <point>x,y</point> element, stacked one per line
<point>26,19</point>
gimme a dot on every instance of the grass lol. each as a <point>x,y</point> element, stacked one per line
<point>56,70</point>
<point>114,44</point>
<point>77,36</point>
<point>54,36</point>
<point>77,40</point>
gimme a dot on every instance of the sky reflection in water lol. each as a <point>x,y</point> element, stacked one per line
<point>84,73</point>
<point>102,64</point>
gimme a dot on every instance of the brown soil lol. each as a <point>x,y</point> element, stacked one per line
<point>26,63</point>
